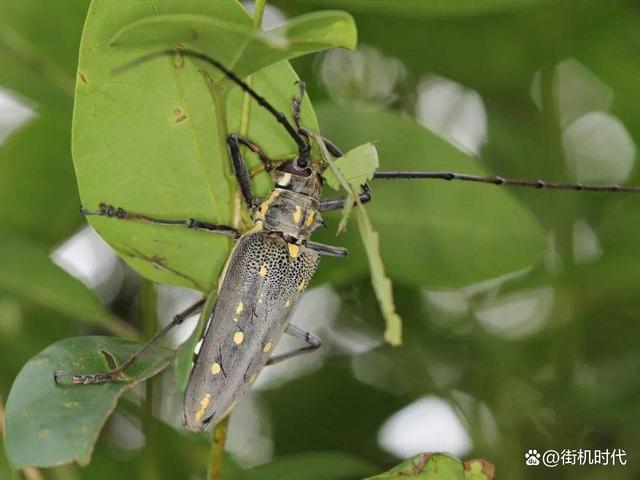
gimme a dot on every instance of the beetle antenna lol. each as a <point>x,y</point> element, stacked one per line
<point>304,147</point>
<point>509,182</point>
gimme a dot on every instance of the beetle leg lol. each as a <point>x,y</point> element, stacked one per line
<point>337,203</point>
<point>103,377</point>
<point>105,210</point>
<point>327,250</point>
<point>313,343</point>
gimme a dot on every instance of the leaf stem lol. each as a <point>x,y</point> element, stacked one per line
<point>220,107</point>
<point>216,460</point>
<point>258,13</point>
<point>148,320</point>
<point>245,115</point>
<point>119,327</point>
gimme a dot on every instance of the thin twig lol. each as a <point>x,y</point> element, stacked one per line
<point>216,460</point>
<point>148,318</point>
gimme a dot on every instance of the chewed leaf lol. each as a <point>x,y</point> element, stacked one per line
<point>238,45</point>
<point>357,166</point>
<point>381,283</point>
<point>438,466</point>
<point>346,213</point>
<point>49,424</point>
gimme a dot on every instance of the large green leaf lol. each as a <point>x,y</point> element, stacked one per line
<point>27,272</point>
<point>431,233</point>
<point>151,140</point>
<point>239,46</point>
<point>37,187</point>
<point>38,49</point>
<point>438,466</point>
<point>50,424</point>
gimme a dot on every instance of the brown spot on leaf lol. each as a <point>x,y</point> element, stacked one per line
<point>71,404</point>
<point>418,467</point>
<point>488,469</point>
<point>83,78</point>
<point>179,115</point>
<point>179,61</point>
<point>43,433</point>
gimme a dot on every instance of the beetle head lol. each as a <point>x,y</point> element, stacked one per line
<point>304,180</point>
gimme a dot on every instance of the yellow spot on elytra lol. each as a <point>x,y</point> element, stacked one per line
<point>297,215</point>
<point>263,270</point>
<point>293,250</point>
<point>267,346</point>
<point>216,368</point>
<point>301,286</point>
<point>239,308</point>
<point>287,303</point>
<point>203,405</point>
<point>311,217</point>
<point>238,338</point>
<point>262,209</point>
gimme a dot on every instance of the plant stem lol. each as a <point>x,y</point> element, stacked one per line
<point>258,13</point>
<point>115,325</point>
<point>148,320</point>
<point>245,115</point>
<point>216,460</point>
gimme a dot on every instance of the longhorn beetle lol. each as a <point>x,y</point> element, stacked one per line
<point>270,265</point>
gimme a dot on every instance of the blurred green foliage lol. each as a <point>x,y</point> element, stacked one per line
<point>566,376</point>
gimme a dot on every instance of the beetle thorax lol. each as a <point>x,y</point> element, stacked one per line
<point>292,214</point>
